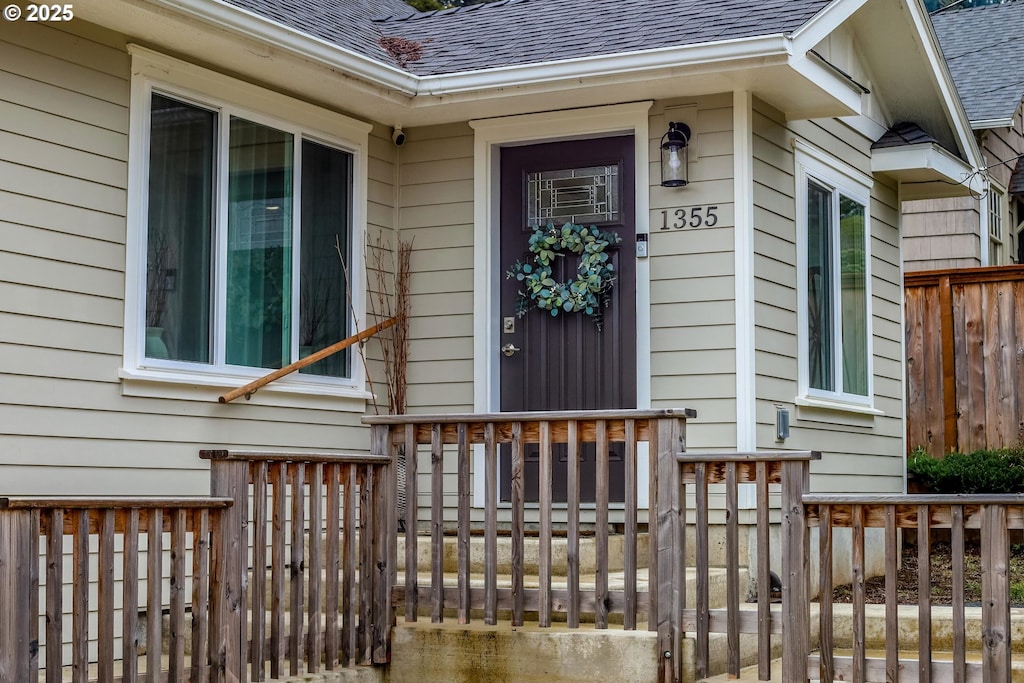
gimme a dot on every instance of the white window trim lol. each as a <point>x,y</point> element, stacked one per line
<point>825,169</point>
<point>996,190</point>
<point>192,381</point>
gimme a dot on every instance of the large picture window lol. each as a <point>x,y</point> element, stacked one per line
<point>278,273</point>
<point>242,227</point>
<point>836,312</point>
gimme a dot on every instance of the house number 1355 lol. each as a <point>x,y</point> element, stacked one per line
<point>689,217</point>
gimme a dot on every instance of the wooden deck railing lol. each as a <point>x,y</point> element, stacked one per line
<point>789,472</point>
<point>99,523</point>
<point>326,553</point>
<point>992,515</point>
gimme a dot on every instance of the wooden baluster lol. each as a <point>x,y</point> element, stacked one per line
<point>200,526</point>
<point>924,595</point>
<point>601,518</point>
<point>464,499</point>
<point>154,599</point>
<point>544,549</point>
<point>825,589</point>
<point>33,593</point>
<point>177,595</point>
<point>412,584</point>
<point>764,582</point>
<point>55,596</point>
<point>279,479</point>
<point>258,583</point>
<point>297,563</point>
<point>80,599</point>
<point>631,528</point>
<point>572,484</point>
<point>348,560</point>
<point>518,526</point>
<point>105,598</point>
<point>314,641</point>
<point>436,524</point>
<point>892,616</point>
<point>732,569</point>
<point>129,599</point>
<point>959,622</point>
<point>490,524</point>
<point>859,617</point>
<point>332,644</point>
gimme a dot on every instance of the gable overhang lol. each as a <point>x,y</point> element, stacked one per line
<point>922,89</point>
<point>226,37</point>
<point>925,171</point>
<point>988,124</point>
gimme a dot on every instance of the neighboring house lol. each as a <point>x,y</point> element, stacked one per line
<point>982,47</point>
<point>173,175</point>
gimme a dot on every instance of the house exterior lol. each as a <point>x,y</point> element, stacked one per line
<point>175,178</point>
<point>981,46</point>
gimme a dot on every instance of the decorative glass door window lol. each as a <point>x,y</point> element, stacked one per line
<point>243,220</point>
<point>574,195</point>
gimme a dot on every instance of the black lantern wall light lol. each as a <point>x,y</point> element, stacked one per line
<point>674,155</point>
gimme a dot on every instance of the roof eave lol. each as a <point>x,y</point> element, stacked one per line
<point>771,47</point>
<point>241,21</point>
<point>986,124</point>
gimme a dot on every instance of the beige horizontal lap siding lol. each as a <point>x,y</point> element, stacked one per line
<point>861,452</point>
<point>436,213</point>
<point>941,233</point>
<point>693,314</point>
<point>66,426</point>
<point>436,200</point>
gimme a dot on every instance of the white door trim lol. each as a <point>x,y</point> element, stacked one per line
<point>490,135</point>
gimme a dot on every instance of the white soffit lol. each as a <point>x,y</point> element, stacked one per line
<point>924,171</point>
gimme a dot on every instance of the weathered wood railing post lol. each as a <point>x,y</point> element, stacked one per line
<point>667,441</point>
<point>385,531</point>
<point>230,478</point>
<point>18,554</point>
<point>795,572</point>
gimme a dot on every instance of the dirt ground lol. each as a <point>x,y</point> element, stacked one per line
<point>941,578</point>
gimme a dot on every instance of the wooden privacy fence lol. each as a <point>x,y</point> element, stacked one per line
<point>965,358</point>
<point>192,524</point>
<point>992,515</point>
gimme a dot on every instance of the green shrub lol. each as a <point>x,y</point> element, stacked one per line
<point>986,471</point>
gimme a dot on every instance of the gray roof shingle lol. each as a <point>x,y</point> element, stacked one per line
<point>984,48</point>
<point>345,23</point>
<point>903,134</point>
<point>518,32</point>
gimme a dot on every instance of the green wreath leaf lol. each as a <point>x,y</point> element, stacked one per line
<point>589,292</point>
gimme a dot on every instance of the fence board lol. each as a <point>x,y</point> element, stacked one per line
<point>964,359</point>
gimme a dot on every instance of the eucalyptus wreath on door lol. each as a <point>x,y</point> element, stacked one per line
<point>589,292</point>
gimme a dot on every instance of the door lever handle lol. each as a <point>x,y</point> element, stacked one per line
<point>510,349</point>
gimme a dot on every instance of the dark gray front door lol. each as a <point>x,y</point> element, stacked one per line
<point>565,362</point>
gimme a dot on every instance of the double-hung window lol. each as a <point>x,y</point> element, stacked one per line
<point>996,238</point>
<point>834,271</point>
<point>245,228</point>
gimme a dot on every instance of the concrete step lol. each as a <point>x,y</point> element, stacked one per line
<point>531,553</point>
